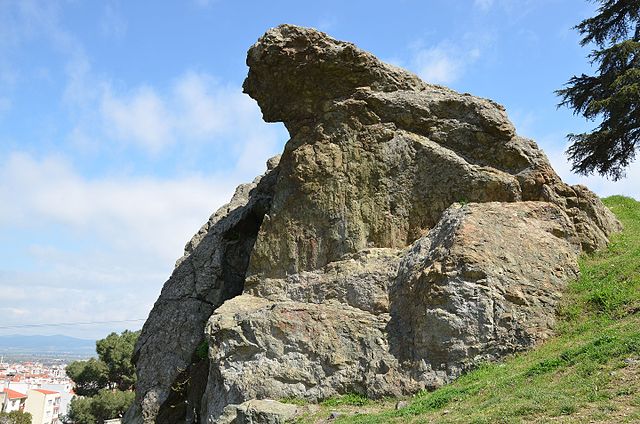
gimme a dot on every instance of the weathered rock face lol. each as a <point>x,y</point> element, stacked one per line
<point>406,233</point>
<point>484,283</point>
<point>376,155</point>
<point>210,272</point>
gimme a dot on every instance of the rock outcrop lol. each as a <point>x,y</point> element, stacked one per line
<point>406,233</point>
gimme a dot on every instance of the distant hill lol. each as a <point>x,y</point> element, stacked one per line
<point>58,346</point>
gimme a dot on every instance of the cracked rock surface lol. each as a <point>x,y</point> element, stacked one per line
<point>210,272</point>
<point>405,234</point>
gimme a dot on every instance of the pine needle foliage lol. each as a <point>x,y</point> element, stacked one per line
<point>613,94</point>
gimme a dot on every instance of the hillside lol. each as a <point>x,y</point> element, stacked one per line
<point>589,372</point>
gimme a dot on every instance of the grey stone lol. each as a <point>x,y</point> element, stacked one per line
<point>401,404</point>
<point>334,415</point>
<point>360,280</point>
<point>255,411</point>
<point>261,348</point>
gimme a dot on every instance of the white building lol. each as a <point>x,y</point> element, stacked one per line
<point>43,405</point>
<point>12,400</point>
<point>66,394</point>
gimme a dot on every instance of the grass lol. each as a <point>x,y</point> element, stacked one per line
<point>352,399</point>
<point>588,372</point>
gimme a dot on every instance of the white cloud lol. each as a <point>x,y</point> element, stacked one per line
<point>438,65</point>
<point>202,114</point>
<point>327,23</point>
<point>483,4</point>
<point>141,117</point>
<point>444,63</point>
<point>205,109</point>
<point>149,215</point>
<point>195,112</point>
<point>23,23</point>
<point>99,248</point>
<point>105,245</point>
<point>190,114</point>
<point>80,86</point>
<point>41,19</point>
<point>37,303</point>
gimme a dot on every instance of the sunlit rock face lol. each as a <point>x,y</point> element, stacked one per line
<point>405,234</point>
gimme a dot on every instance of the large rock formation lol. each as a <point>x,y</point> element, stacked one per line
<point>406,233</point>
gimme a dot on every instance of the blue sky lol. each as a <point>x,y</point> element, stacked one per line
<point>123,125</point>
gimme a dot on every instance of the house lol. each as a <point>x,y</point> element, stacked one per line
<point>12,400</point>
<point>43,405</point>
<point>66,394</point>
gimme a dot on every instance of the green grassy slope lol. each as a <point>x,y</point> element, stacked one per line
<point>589,372</point>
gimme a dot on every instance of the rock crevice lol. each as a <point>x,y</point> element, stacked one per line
<point>172,376</point>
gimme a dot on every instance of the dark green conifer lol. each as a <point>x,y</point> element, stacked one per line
<point>613,94</point>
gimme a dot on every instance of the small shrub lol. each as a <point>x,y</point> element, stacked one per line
<point>202,351</point>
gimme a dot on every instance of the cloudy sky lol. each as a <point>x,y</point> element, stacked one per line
<point>123,126</point>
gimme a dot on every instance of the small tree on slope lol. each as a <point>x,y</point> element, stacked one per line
<point>107,381</point>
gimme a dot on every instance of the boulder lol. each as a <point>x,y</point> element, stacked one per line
<point>264,411</point>
<point>405,234</point>
<point>482,284</point>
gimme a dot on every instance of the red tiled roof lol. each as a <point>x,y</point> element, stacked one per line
<point>12,394</point>
<point>46,392</point>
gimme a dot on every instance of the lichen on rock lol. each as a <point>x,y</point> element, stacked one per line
<point>405,234</point>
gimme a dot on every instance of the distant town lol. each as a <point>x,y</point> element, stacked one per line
<point>41,389</point>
